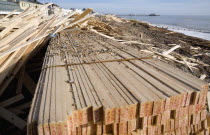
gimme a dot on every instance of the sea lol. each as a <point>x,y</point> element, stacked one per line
<point>192,25</point>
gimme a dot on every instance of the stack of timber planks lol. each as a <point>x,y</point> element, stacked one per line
<point>93,85</point>
<point>21,37</point>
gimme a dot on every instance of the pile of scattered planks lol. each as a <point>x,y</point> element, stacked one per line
<point>90,84</point>
<point>101,27</point>
<point>23,34</point>
<point>21,37</point>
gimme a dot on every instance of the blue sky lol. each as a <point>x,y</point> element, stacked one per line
<point>163,7</point>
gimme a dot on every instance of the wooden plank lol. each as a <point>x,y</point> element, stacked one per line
<point>24,106</point>
<point>15,111</point>
<point>59,22</point>
<point>40,116</point>
<point>10,27</point>
<point>19,40</point>
<point>29,42</point>
<point>34,111</point>
<point>12,100</point>
<point>29,83</point>
<point>86,12</point>
<point>12,118</point>
<point>20,80</point>
<point>6,40</point>
<point>76,22</point>
<point>208,99</point>
<point>8,15</point>
<point>53,106</point>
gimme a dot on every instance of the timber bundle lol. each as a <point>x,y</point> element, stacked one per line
<point>90,84</point>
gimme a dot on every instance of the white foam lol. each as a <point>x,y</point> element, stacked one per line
<point>194,34</point>
<point>189,32</point>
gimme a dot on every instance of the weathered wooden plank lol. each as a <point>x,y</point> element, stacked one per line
<point>10,27</point>
<point>20,80</point>
<point>12,100</point>
<point>24,106</point>
<point>12,118</point>
<point>29,83</point>
<point>86,12</point>
<point>8,15</point>
<point>12,36</point>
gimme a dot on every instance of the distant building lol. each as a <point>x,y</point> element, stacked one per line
<point>54,9</point>
<point>79,11</point>
<point>7,6</point>
<point>24,4</point>
<point>66,11</point>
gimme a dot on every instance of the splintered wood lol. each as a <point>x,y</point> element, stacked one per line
<point>93,85</point>
<point>23,35</point>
